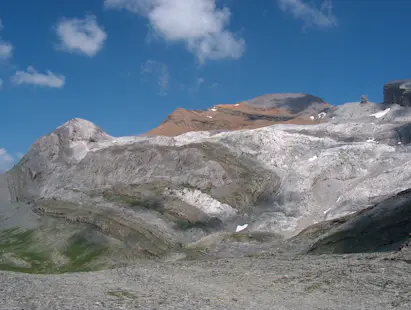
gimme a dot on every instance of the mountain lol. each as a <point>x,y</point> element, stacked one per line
<point>156,195</point>
<point>270,201</point>
<point>255,113</point>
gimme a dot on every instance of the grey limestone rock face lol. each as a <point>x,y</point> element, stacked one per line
<point>132,187</point>
<point>66,146</point>
<point>279,179</point>
<point>385,226</point>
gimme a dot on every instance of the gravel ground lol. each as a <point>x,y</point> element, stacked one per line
<point>260,282</point>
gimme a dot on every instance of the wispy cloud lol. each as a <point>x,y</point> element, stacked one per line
<point>20,155</point>
<point>198,23</point>
<point>6,160</point>
<point>215,85</point>
<point>83,36</point>
<point>1,83</point>
<point>6,48</point>
<point>33,77</point>
<point>309,14</point>
<point>160,71</point>
<point>197,84</point>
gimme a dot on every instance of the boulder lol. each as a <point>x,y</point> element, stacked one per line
<point>364,99</point>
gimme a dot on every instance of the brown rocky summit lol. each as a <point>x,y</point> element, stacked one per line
<point>286,108</point>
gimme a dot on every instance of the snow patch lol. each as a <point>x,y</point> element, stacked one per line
<point>237,104</point>
<point>191,137</point>
<point>322,115</point>
<point>213,109</point>
<point>205,203</point>
<point>405,86</point>
<point>209,116</point>
<point>326,211</point>
<point>313,158</point>
<point>312,117</point>
<point>79,150</point>
<point>371,140</point>
<point>381,113</point>
<point>241,227</point>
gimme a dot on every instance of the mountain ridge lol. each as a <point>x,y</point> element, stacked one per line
<point>185,196</point>
<point>265,110</point>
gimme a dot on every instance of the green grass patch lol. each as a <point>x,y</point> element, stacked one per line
<point>313,287</point>
<point>122,294</point>
<point>81,252</point>
<point>254,236</point>
<point>206,225</point>
<point>152,203</point>
<point>21,251</point>
<point>184,224</point>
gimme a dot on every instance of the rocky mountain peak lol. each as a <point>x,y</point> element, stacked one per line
<point>78,129</point>
<point>270,109</point>
<point>293,102</point>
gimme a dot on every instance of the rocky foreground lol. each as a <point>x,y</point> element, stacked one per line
<point>265,282</point>
<point>322,199</point>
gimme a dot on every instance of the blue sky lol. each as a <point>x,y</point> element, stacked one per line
<point>126,64</point>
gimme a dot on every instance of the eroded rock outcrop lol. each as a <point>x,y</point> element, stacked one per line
<point>398,92</point>
<point>383,227</point>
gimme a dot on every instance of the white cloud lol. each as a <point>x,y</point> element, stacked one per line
<point>164,78</point>
<point>197,23</point>
<point>6,48</point>
<point>160,70</point>
<point>200,81</point>
<point>32,76</point>
<point>6,160</point>
<point>311,16</point>
<point>82,36</point>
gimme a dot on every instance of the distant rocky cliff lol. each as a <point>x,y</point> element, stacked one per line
<point>398,92</point>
